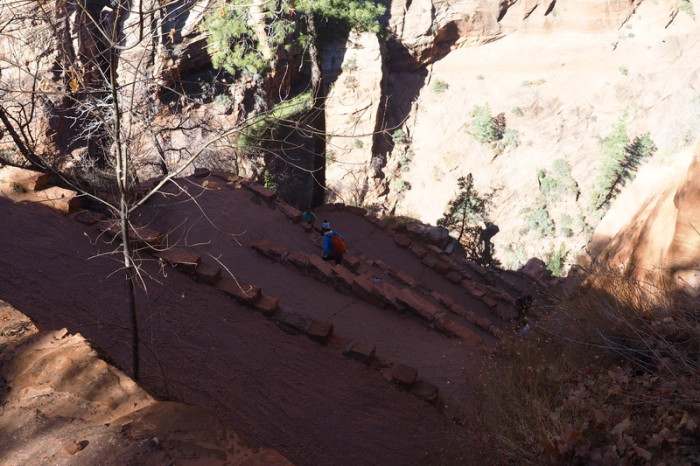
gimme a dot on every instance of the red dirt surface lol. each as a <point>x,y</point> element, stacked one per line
<point>276,389</point>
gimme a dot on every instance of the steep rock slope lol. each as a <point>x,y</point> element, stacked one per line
<point>655,233</point>
<point>562,73</point>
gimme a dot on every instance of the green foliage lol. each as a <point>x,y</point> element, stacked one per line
<point>619,163</point>
<point>235,46</point>
<point>358,144</point>
<point>439,86</point>
<point>517,111</point>
<point>556,260</point>
<point>465,210</point>
<point>259,126</point>
<point>538,220</point>
<point>687,8</point>
<point>464,216</point>
<point>624,71</point>
<point>565,222</point>
<point>558,182</point>
<point>398,137</point>
<point>485,127</point>
<point>269,181</point>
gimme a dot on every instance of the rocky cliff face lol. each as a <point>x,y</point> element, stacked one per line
<point>562,73</point>
<point>400,112</point>
<point>653,231</point>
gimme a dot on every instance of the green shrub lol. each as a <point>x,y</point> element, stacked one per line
<point>556,260</point>
<point>269,181</point>
<point>686,7</point>
<point>485,127</point>
<point>517,111</point>
<point>538,220</point>
<point>439,86</point>
<point>358,144</point>
<point>398,137</point>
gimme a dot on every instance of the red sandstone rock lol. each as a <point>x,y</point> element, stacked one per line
<point>418,250</point>
<point>404,375</point>
<point>452,327</point>
<point>184,259</point>
<point>207,273</point>
<point>402,240</point>
<point>63,200</point>
<point>241,291</point>
<point>298,259</point>
<point>291,212</point>
<point>318,265</point>
<point>417,304</point>
<point>360,351</point>
<point>266,194</point>
<point>319,331</point>
<point>28,180</point>
<point>269,249</point>
<point>268,305</point>
<point>356,210</point>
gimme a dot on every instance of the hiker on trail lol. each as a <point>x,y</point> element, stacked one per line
<point>309,216</point>
<point>333,244</point>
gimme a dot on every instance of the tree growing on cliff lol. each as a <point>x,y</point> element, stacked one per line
<point>619,163</point>
<point>464,217</point>
<point>247,38</point>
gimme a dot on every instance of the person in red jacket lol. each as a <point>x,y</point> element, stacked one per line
<point>333,244</point>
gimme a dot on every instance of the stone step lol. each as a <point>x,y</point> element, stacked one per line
<point>242,292</point>
<point>140,235</point>
<point>181,258</point>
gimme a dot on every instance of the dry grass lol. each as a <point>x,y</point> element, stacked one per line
<point>610,376</point>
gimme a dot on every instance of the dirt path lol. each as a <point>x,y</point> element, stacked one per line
<point>277,390</point>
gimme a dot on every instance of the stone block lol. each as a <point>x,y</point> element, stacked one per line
<point>268,305</point>
<point>292,213</point>
<point>426,392</point>
<point>140,235</point>
<point>415,303</point>
<point>383,266</point>
<point>291,321</point>
<point>88,217</point>
<point>490,302</point>
<point>269,249</point>
<point>386,292</point>
<point>444,299</point>
<point>452,327</point>
<point>356,210</point>
<point>352,262</point>
<point>419,251</point>
<point>28,180</point>
<point>406,279</point>
<point>403,375</point>
<point>430,261</point>
<point>210,184</point>
<point>454,276</point>
<point>360,351</point>
<point>207,273</point>
<point>242,292</point>
<point>442,267</point>
<point>483,322</point>
<point>298,259</point>
<point>181,258</point>
<point>345,276</point>
<point>402,240</point>
<point>319,331</point>
<point>363,288</point>
<point>321,267</point>
<point>63,200</point>
<point>267,195</point>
